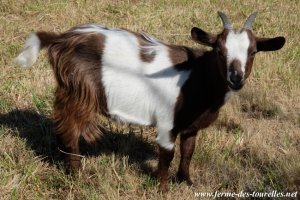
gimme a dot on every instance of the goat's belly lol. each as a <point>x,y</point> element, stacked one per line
<point>129,98</point>
<point>136,98</point>
<point>124,115</point>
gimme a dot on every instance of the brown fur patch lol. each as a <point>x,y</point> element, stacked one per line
<point>145,55</point>
<point>76,61</point>
<point>251,53</point>
<point>178,54</point>
<point>47,38</point>
<point>144,44</point>
<point>202,95</point>
<point>184,58</point>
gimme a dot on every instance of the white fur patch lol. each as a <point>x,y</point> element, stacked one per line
<point>237,44</point>
<point>140,92</point>
<point>163,138</point>
<point>30,52</point>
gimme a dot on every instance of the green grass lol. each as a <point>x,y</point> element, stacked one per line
<point>254,145</point>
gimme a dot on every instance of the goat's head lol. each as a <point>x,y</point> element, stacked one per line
<point>235,49</point>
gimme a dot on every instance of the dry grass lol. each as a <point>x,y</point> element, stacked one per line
<point>254,146</point>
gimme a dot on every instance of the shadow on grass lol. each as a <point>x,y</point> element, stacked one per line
<point>38,132</point>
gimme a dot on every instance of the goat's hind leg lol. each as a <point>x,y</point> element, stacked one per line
<point>72,120</point>
<point>166,141</point>
<point>67,135</point>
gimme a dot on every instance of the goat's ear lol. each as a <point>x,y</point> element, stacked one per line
<point>203,37</point>
<point>269,44</point>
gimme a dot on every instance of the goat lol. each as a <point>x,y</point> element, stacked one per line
<point>138,79</point>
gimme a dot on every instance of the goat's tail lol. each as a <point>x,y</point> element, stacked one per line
<point>34,43</point>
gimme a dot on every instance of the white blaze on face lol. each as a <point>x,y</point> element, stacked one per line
<point>237,44</point>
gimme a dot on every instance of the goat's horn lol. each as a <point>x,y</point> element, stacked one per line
<point>225,20</point>
<point>249,21</point>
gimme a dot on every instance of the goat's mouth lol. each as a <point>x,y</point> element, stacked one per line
<point>235,86</point>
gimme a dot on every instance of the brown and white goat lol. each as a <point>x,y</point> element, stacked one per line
<point>138,79</point>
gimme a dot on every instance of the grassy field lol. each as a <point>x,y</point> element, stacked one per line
<point>253,146</point>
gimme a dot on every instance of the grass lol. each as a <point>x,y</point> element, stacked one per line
<point>254,145</point>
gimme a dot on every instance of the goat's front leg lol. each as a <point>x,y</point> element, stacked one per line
<point>162,172</point>
<point>166,141</point>
<point>187,147</point>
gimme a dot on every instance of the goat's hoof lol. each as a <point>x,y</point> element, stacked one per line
<point>183,178</point>
<point>163,182</point>
<point>73,166</point>
<point>189,182</point>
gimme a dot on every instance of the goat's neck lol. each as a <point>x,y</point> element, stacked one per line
<point>208,66</point>
<point>205,68</point>
<point>206,74</point>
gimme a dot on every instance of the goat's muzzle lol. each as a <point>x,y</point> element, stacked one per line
<point>236,81</point>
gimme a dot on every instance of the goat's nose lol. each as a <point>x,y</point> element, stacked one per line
<point>236,78</point>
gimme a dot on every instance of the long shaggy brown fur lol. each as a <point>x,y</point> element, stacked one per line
<point>79,97</point>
